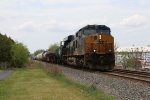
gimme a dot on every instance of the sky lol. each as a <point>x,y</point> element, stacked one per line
<point>41,23</point>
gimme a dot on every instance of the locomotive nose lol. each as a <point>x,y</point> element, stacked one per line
<point>101,44</point>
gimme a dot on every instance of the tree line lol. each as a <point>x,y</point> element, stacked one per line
<point>12,53</point>
<point>52,48</point>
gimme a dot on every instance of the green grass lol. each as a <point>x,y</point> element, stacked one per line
<point>34,83</point>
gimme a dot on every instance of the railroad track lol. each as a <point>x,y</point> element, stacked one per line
<point>134,75</point>
<point>129,74</point>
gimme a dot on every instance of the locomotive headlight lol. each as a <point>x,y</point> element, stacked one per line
<point>94,50</point>
<point>100,37</point>
<point>109,50</point>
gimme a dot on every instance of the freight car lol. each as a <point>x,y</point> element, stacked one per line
<point>46,56</point>
<point>92,47</point>
<point>49,57</point>
<point>39,56</point>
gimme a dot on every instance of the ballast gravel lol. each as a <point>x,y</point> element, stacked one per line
<point>120,88</point>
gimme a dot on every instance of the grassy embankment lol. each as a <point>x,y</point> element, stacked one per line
<point>34,83</point>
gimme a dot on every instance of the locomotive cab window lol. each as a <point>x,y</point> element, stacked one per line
<point>89,31</point>
<point>94,29</point>
<point>103,31</point>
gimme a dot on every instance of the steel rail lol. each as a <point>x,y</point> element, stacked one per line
<point>134,75</point>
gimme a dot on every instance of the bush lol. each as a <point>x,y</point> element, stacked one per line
<point>130,60</point>
<point>19,55</point>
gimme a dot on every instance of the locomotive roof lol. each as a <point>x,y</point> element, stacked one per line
<point>95,26</point>
<point>69,38</point>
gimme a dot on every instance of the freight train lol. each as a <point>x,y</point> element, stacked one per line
<point>91,47</point>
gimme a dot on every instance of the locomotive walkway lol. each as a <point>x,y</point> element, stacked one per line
<point>4,74</point>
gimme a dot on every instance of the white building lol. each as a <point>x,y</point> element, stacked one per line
<point>133,49</point>
<point>141,53</point>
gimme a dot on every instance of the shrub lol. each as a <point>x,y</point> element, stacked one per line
<point>129,60</point>
<point>19,55</point>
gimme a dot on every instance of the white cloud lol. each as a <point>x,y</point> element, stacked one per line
<point>49,21</point>
<point>134,21</point>
<point>56,26</point>
<point>28,27</point>
<point>52,26</point>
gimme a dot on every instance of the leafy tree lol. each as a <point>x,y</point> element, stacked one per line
<point>19,55</point>
<point>53,47</point>
<point>38,52</point>
<point>5,47</point>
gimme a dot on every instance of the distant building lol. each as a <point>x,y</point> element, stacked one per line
<point>140,53</point>
<point>133,49</point>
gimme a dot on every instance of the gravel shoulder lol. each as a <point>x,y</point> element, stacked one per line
<point>121,89</point>
<point>5,73</point>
